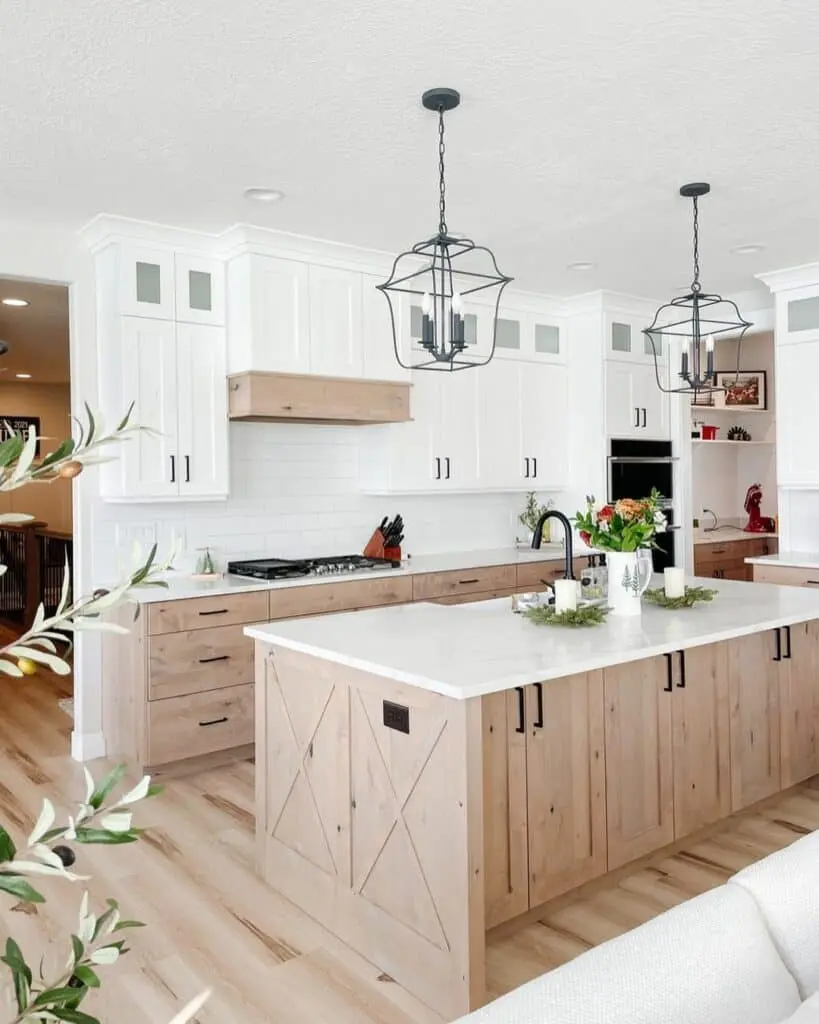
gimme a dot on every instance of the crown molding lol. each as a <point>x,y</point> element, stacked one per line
<point>791,277</point>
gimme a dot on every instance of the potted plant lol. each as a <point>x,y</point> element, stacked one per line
<point>532,511</point>
<point>626,532</point>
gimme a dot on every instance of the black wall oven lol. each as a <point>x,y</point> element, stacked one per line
<point>635,467</point>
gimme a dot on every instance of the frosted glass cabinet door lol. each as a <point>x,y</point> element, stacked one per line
<point>203,424</point>
<point>150,466</point>
<point>200,290</point>
<point>146,283</point>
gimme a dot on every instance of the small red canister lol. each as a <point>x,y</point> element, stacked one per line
<point>709,433</point>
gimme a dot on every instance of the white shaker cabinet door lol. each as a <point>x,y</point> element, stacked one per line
<point>458,442</point>
<point>146,282</point>
<point>544,417</point>
<point>500,456</point>
<point>278,328</point>
<point>336,348</point>
<point>653,404</point>
<point>200,290</point>
<point>623,417</point>
<point>415,462</point>
<point>380,362</point>
<point>797,457</point>
<point>149,463</point>
<point>203,424</point>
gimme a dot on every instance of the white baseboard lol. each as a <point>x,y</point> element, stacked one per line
<point>87,746</point>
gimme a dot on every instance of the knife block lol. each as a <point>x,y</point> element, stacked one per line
<point>374,548</point>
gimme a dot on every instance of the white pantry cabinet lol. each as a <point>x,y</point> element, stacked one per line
<point>164,285</point>
<point>635,406</point>
<point>175,375</point>
<point>797,369</point>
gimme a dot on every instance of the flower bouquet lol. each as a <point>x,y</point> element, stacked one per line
<point>626,532</point>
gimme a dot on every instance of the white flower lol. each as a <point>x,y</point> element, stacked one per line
<point>139,792</point>
<point>106,955</point>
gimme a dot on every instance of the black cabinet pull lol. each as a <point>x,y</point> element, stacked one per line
<point>463,582</point>
<point>812,583</point>
<point>669,686</point>
<point>187,469</point>
<point>538,723</point>
<point>681,683</point>
<point>219,657</point>
<point>216,611</point>
<point>173,469</point>
<point>534,463</point>
<point>447,466</point>
<point>778,655</point>
<point>644,418</point>
<point>214,721</point>
<point>437,469</point>
<point>521,727</point>
<point>636,416</point>
<point>526,468</point>
<point>788,635</point>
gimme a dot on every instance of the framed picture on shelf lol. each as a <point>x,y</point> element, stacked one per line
<point>746,390</point>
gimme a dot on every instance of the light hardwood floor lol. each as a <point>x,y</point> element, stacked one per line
<point>212,922</point>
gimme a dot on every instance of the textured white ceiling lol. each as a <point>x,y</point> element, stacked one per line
<point>578,124</point>
<point>37,334</point>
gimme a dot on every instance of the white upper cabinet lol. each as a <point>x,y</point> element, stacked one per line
<point>797,459</point>
<point>626,341</point>
<point>635,406</point>
<point>544,414</point>
<point>161,285</point>
<point>500,427</point>
<point>522,334</point>
<point>380,362</point>
<point>202,448</point>
<point>336,344</point>
<point>200,290</point>
<point>146,281</point>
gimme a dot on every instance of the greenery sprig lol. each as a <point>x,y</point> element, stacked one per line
<point>657,596</point>
<point>587,615</point>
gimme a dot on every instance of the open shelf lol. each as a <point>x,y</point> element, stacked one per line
<point>744,444</point>
<point>733,409</point>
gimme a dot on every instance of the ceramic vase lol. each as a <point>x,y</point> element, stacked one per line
<point>628,577</point>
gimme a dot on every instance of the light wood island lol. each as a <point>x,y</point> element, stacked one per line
<point>426,773</point>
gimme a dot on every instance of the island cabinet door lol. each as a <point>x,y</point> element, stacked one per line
<point>701,737</point>
<point>566,784</point>
<point>639,764</point>
<point>799,698</point>
<point>754,679</point>
<point>506,854</point>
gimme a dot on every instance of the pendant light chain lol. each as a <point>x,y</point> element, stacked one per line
<point>441,180</point>
<point>695,284</point>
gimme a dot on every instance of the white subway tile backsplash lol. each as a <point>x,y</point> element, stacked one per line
<point>294,491</point>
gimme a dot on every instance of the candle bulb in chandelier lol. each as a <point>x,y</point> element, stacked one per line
<point>427,323</point>
<point>709,357</point>
<point>457,322</point>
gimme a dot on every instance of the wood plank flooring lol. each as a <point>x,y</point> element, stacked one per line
<point>212,922</point>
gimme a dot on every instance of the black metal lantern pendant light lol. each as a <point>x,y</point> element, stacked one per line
<point>696,318</point>
<point>441,271</point>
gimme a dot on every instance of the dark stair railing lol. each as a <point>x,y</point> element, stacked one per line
<point>35,559</point>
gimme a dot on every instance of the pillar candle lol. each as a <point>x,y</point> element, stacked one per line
<point>674,582</point>
<point>565,595</point>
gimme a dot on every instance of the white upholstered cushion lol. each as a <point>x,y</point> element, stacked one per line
<point>707,961</point>
<point>786,889</point>
<point>808,1013</point>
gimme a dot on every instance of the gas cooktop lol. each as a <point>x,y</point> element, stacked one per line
<point>284,568</point>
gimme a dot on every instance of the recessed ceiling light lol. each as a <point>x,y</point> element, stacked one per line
<point>14,302</point>
<point>23,376</point>
<point>264,195</point>
<point>581,266</point>
<point>747,250</point>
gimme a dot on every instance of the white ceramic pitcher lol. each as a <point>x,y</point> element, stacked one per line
<point>629,573</point>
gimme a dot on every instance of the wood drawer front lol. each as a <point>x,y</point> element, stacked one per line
<point>429,585</point>
<point>790,577</point>
<point>200,723</point>
<point>198,660</point>
<point>485,595</point>
<point>536,575</point>
<point>320,598</point>
<point>207,612</point>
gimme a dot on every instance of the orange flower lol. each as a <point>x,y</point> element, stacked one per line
<point>628,508</point>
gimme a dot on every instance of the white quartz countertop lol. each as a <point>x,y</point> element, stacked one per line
<point>723,534</point>
<point>181,586</point>
<point>470,650</point>
<point>789,560</point>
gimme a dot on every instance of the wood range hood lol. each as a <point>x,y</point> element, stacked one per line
<point>305,398</point>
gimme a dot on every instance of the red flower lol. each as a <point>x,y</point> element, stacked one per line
<point>605,514</point>
<point>585,537</point>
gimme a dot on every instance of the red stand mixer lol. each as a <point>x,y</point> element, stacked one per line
<point>757,523</point>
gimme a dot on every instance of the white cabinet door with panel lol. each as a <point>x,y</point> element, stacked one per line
<point>200,290</point>
<point>653,404</point>
<point>635,406</point>
<point>797,460</point>
<point>146,281</point>
<point>203,424</point>
<point>148,465</point>
<point>457,443</point>
<point>335,322</point>
<point>544,416</point>
<point>380,362</point>
<point>500,455</point>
